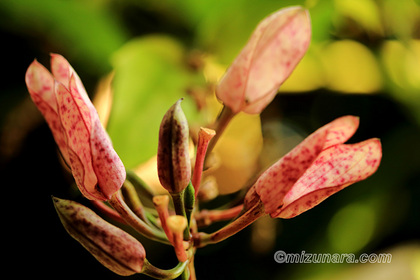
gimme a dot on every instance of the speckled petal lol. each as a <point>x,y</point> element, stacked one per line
<point>40,84</point>
<point>272,52</point>
<point>78,137</point>
<point>341,129</point>
<point>334,169</point>
<point>279,50</point>
<point>83,103</point>
<point>78,172</point>
<point>276,181</point>
<point>61,69</point>
<point>63,72</point>
<point>108,167</point>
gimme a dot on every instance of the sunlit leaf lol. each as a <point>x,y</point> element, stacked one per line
<point>352,228</point>
<point>351,67</point>
<point>150,75</point>
<point>238,158</point>
<point>307,76</point>
<point>401,17</point>
<point>364,12</point>
<point>401,63</point>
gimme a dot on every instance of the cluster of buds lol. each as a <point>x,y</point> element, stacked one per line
<point>318,167</point>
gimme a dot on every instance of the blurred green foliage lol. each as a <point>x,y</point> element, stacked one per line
<point>146,70</point>
<point>364,59</point>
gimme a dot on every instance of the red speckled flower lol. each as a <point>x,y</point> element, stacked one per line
<point>315,169</point>
<point>75,125</point>
<point>273,51</point>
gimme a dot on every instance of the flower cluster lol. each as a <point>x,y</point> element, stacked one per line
<point>318,167</point>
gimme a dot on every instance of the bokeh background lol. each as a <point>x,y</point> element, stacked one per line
<point>364,60</point>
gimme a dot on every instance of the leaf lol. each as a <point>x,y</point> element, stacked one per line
<point>150,75</point>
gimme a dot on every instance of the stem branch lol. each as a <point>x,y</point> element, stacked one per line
<point>152,271</point>
<point>133,220</point>
<point>207,217</point>
<point>178,200</point>
<point>220,125</point>
<point>201,239</point>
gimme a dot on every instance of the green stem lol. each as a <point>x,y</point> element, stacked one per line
<point>186,274</point>
<point>162,274</point>
<point>133,200</point>
<point>140,185</point>
<point>202,239</point>
<point>133,220</point>
<point>178,200</point>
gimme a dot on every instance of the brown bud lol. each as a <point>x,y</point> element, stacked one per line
<point>173,160</point>
<point>110,245</point>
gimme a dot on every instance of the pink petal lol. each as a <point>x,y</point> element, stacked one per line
<point>334,169</point>
<point>78,172</point>
<point>63,72</point>
<point>272,52</point>
<point>40,84</point>
<point>279,50</point>
<point>276,181</point>
<point>61,69</point>
<point>83,103</point>
<point>259,105</point>
<point>78,136</point>
<point>107,165</point>
<point>340,130</point>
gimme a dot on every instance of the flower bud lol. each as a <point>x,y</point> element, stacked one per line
<point>275,48</point>
<point>318,167</point>
<point>83,142</point>
<point>110,245</point>
<point>173,160</point>
<point>189,201</point>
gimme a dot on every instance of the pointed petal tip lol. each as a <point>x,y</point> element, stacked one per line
<point>54,55</point>
<point>34,65</point>
<point>55,199</point>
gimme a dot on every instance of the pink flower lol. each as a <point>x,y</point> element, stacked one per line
<point>75,125</point>
<point>318,167</point>
<point>273,51</point>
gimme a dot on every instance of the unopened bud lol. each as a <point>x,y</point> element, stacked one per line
<point>173,160</point>
<point>110,245</point>
<point>189,201</point>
